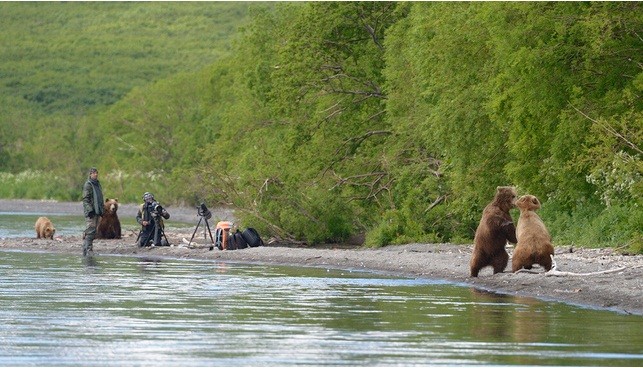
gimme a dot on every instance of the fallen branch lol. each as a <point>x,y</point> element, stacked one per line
<point>188,243</point>
<point>554,271</point>
<point>439,200</point>
<point>194,245</point>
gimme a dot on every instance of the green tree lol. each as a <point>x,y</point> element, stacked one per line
<point>314,145</point>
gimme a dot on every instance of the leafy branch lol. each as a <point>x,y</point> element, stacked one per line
<point>611,130</point>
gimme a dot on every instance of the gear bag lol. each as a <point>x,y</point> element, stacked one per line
<point>236,241</point>
<point>225,240</point>
<point>251,236</point>
<point>222,234</point>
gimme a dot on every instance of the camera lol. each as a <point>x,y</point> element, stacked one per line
<point>157,209</point>
<point>204,211</point>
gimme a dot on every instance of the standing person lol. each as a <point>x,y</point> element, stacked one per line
<point>93,208</point>
<point>150,215</point>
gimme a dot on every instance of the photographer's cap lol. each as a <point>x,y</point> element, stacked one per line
<point>93,170</point>
<point>148,195</point>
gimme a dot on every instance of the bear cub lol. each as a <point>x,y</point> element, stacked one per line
<point>534,243</point>
<point>109,226</point>
<point>496,227</point>
<point>44,228</point>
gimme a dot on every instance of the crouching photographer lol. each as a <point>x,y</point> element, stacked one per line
<point>150,215</point>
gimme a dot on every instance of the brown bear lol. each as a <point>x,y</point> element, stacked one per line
<point>44,228</point>
<point>109,226</point>
<point>495,229</point>
<point>534,243</point>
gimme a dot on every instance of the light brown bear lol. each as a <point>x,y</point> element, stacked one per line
<point>495,229</point>
<point>109,226</point>
<point>534,243</point>
<point>44,228</point>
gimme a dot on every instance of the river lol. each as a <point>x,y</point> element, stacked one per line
<point>63,310</point>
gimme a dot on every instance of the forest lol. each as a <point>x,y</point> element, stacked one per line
<point>324,122</point>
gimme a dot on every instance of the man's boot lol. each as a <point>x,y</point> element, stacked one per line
<point>87,247</point>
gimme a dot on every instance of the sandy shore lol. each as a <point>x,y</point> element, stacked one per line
<point>620,291</point>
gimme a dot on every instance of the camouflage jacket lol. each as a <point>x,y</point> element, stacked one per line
<point>92,198</point>
<point>144,214</point>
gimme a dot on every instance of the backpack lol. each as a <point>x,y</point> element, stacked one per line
<point>236,241</point>
<point>251,236</point>
<point>224,240</point>
<point>222,234</point>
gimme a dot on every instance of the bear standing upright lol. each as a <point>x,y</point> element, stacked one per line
<point>495,229</point>
<point>534,243</point>
<point>109,226</point>
<point>44,228</point>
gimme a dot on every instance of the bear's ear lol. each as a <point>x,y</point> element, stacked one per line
<point>116,199</point>
<point>106,200</point>
<point>534,200</point>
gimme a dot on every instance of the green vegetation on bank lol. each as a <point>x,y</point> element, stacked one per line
<point>393,120</point>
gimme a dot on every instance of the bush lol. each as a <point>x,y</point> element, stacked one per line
<point>593,225</point>
<point>34,184</point>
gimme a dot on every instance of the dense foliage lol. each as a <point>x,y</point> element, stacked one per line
<point>394,120</point>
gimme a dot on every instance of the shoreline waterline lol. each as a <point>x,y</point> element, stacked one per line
<point>620,291</point>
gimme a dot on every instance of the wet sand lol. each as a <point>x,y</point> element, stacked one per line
<point>620,291</point>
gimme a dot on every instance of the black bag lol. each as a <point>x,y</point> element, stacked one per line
<point>251,236</point>
<point>236,241</point>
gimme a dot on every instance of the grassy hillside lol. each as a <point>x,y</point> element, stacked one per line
<point>70,57</point>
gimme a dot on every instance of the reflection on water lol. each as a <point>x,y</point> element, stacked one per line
<point>113,311</point>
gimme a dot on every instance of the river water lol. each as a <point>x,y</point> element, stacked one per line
<point>62,310</point>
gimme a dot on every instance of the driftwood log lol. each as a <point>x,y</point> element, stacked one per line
<point>554,271</point>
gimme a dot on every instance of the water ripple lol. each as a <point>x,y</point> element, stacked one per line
<point>58,310</point>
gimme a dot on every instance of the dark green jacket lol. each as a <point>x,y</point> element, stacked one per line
<point>92,198</point>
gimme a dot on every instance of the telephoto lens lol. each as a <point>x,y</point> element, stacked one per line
<point>158,208</point>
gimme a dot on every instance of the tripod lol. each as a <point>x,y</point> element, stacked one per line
<point>204,215</point>
<point>158,234</point>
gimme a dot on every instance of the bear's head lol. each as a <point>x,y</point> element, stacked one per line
<point>49,232</point>
<point>505,198</point>
<point>528,203</point>
<point>111,206</point>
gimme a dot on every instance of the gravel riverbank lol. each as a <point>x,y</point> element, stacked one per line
<point>620,289</point>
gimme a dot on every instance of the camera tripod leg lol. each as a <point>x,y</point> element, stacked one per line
<point>209,232</point>
<point>207,225</point>
<point>157,237</point>
<point>165,237</point>
<point>196,228</point>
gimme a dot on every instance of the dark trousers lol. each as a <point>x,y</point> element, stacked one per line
<point>90,233</point>
<point>149,235</point>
